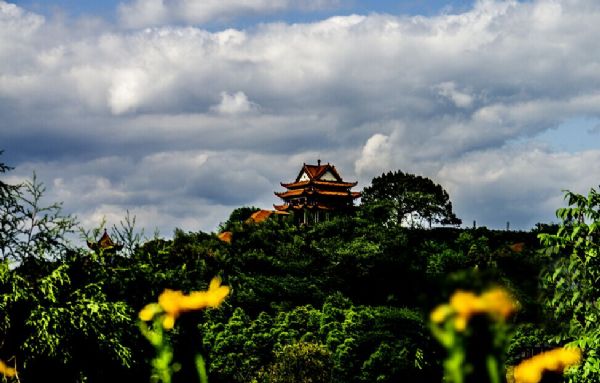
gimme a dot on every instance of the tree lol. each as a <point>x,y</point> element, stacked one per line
<point>42,230</point>
<point>51,321</point>
<point>10,210</point>
<point>573,282</point>
<point>301,362</point>
<point>400,198</point>
<point>127,234</point>
<point>52,317</point>
<point>237,217</point>
<point>28,229</point>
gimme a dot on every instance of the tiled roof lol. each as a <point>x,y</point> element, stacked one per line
<point>290,193</point>
<point>293,185</point>
<point>316,171</point>
<point>333,193</point>
<point>225,236</point>
<point>259,216</point>
<point>105,243</point>
<point>299,192</point>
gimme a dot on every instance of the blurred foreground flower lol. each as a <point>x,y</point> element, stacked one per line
<point>463,305</point>
<point>473,330</point>
<point>8,372</point>
<point>172,303</point>
<point>163,314</point>
<point>554,361</point>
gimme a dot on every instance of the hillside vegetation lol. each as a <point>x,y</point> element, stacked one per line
<point>347,300</point>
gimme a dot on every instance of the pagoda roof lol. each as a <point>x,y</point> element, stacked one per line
<point>299,192</point>
<point>259,216</point>
<point>315,172</point>
<point>105,243</point>
<point>290,193</point>
<point>283,207</point>
<point>294,185</point>
<point>319,206</point>
<point>262,215</point>
<point>225,236</point>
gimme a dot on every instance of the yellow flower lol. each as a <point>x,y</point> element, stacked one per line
<point>7,371</point>
<point>557,360</point>
<point>211,298</point>
<point>173,303</point>
<point>149,311</point>
<point>440,313</point>
<point>464,304</point>
<point>498,302</point>
<point>460,323</point>
<point>168,322</point>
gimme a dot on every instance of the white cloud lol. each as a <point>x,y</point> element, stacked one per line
<point>375,156</point>
<point>142,13</point>
<point>518,184</point>
<point>16,18</point>
<point>126,90</point>
<point>234,104</point>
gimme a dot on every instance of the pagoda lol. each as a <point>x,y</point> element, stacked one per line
<point>105,244</point>
<point>317,193</point>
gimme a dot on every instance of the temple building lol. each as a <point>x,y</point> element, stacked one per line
<point>317,194</point>
<point>105,244</point>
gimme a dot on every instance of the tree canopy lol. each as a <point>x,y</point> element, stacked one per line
<point>402,198</point>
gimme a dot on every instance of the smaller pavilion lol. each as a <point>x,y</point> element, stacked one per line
<point>105,244</point>
<point>317,193</point>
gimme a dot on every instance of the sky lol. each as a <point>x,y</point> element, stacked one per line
<point>179,111</point>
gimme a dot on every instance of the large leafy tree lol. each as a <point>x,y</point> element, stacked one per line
<point>402,198</point>
<point>573,282</point>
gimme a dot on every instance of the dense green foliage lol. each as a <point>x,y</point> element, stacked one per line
<point>346,300</point>
<point>573,282</point>
<point>403,198</point>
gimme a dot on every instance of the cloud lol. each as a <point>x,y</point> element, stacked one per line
<point>520,185</point>
<point>375,156</point>
<point>234,104</point>
<point>127,89</point>
<point>165,190</point>
<point>17,18</point>
<point>460,99</point>
<point>143,13</point>
<point>186,123</point>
